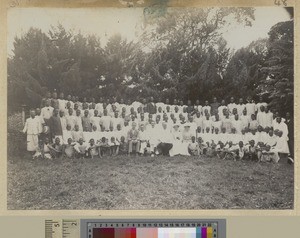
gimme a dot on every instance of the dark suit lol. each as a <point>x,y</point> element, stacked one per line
<point>151,107</point>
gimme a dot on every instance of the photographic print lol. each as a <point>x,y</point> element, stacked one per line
<point>152,107</point>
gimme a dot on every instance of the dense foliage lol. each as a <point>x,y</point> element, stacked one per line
<point>179,55</point>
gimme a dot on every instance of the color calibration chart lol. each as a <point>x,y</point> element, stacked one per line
<point>101,228</point>
<point>155,229</point>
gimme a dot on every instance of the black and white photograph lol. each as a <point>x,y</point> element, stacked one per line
<point>150,108</point>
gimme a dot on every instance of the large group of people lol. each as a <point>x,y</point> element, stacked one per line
<point>67,127</point>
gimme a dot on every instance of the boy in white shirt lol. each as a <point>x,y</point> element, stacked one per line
<point>237,124</point>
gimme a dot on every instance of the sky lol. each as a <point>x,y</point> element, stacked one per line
<point>128,22</point>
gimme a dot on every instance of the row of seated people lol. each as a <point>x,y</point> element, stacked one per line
<point>175,142</point>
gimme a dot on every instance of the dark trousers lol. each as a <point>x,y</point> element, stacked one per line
<point>291,147</point>
<point>164,148</point>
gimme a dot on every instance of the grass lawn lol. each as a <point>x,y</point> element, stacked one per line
<point>149,183</point>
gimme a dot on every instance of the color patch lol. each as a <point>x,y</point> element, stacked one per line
<point>103,233</point>
<point>147,233</point>
<point>177,232</point>
<point>198,232</point>
<point>125,233</point>
<point>209,232</point>
<point>204,232</point>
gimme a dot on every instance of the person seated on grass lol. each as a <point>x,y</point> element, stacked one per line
<point>268,155</point>
<point>77,134</point>
<point>46,150</point>
<point>193,147</point>
<point>123,147</point>
<point>230,150</point>
<point>220,150</point>
<point>92,149</point>
<point>80,149</point>
<point>104,147</point>
<point>201,145</point>
<point>69,150</point>
<point>252,151</point>
<point>42,151</point>
<point>56,149</point>
<point>114,146</point>
<point>241,151</point>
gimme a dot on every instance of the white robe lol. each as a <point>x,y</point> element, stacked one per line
<point>32,128</point>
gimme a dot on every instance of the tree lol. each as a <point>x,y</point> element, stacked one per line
<point>189,43</point>
<point>279,67</point>
<point>243,70</point>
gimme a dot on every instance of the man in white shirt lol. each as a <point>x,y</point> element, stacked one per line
<point>259,104</point>
<point>99,106</point>
<point>271,139</point>
<point>222,107</point>
<point>95,120</point>
<point>237,124</point>
<point>116,120</point>
<point>198,119</point>
<point>250,106</point>
<point>231,105</point>
<point>144,139</point>
<point>280,125</point>
<point>269,117</point>
<point>63,120</point>
<point>105,121</point>
<point>78,119</point>
<point>40,119</point>
<point>197,106</point>
<point>207,123</point>
<point>70,118</point>
<point>206,108</point>
<point>261,117</point>
<point>240,107</point>
<point>32,129</point>
<point>245,119</point>
<point>165,140</point>
<point>217,124</point>
<point>61,102</point>
<point>47,111</point>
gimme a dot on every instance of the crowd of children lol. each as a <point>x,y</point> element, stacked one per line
<point>66,127</point>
